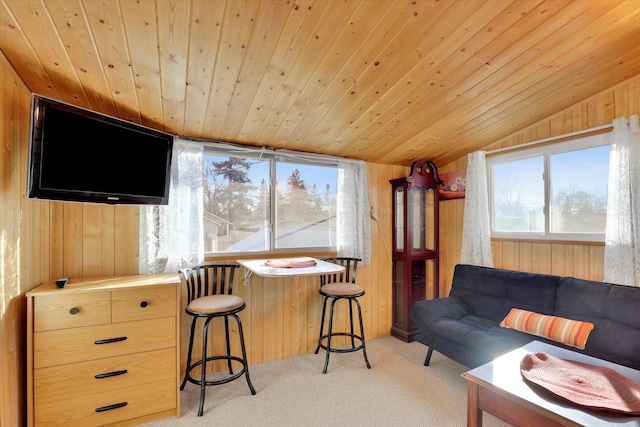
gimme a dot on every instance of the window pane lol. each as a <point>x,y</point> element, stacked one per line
<point>579,190</point>
<point>236,204</point>
<point>518,198</point>
<point>306,205</point>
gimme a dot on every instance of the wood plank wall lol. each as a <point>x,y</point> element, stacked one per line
<point>44,240</point>
<point>25,244</point>
<point>582,260</point>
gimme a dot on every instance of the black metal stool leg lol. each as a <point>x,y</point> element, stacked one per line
<point>226,335</point>
<point>186,372</point>
<point>353,340</point>
<point>364,347</point>
<point>245,364</point>
<point>329,333</point>
<point>324,310</point>
<point>203,366</point>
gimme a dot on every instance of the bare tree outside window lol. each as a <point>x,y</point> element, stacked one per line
<point>579,202</point>
<point>303,216</point>
<point>238,211</point>
<point>519,196</point>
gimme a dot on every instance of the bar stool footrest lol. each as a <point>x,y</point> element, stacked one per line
<point>341,349</point>
<point>222,380</point>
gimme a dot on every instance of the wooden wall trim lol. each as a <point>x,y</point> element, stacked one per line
<point>564,242</point>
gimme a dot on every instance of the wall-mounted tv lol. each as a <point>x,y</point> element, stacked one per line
<point>82,156</point>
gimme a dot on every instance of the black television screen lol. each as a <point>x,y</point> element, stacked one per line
<point>83,156</point>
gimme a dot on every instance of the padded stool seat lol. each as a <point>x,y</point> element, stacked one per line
<point>342,289</point>
<point>215,304</point>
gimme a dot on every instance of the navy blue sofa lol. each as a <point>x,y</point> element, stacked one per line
<point>465,325</point>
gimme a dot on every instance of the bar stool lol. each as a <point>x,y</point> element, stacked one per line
<point>335,287</point>
<point>209,295</point>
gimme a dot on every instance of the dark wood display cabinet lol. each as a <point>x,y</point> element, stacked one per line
<point>415,243</point>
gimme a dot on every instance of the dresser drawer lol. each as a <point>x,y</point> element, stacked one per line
<point>72,310</point>
<point>65,346</point>
<point>143,303</point>
<point>125,404</point>
<point>63,382</point>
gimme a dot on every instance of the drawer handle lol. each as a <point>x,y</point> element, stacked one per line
<point>143,304</point>
<point>74,310</point>
<point>111,374</point>
<point>110,340</point>
<point>110,407</point>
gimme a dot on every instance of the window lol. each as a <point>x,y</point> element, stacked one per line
<point>257,201</point>
<point>556,192</point>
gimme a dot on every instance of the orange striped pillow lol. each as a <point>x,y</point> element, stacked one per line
<point>567,331</point>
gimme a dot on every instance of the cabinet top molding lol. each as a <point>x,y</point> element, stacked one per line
<point>423,174</point>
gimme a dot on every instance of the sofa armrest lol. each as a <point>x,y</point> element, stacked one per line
<point>426,313</point>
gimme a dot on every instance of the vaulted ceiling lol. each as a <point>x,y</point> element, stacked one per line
<point>383,81</point>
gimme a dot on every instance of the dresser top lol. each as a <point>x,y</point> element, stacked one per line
<point>83,284</point>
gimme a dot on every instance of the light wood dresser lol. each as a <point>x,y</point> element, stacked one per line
<point>103,351</point>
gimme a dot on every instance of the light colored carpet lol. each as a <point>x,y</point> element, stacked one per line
<point>397,391</point>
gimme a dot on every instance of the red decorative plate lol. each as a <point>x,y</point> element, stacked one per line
<point>582,383</point>
<point>300,262</point>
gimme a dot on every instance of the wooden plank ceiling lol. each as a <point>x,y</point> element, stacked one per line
<point>383,81</point>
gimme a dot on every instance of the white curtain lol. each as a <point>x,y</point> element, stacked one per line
<point>622,242</point>
<point>476,234</point>
<point>171,236</point>
<point>353,216</point>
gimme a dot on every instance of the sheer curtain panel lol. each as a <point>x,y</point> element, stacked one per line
<point>476,234</point>
<point>171,236</point>
<point>353,216</point>
<point>622,242</point>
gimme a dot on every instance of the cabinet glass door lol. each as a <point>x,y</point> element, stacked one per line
<point>429,219</point>
<point>418,219</point>
<point>422,219</point>
<point>398,206</point>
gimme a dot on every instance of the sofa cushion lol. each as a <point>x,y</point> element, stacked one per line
<point>567,331</point>
<point>473,340</point>
<point>426,313</point>
<point>460,330</point>
<point>615,312</point>
<point>492,292</point>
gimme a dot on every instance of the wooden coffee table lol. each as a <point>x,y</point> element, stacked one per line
<point>498,388</point>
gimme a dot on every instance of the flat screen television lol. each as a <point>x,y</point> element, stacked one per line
<point>79,155</point>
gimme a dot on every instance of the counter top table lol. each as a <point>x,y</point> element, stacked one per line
<point>259,267</point>
<point>498,388</point>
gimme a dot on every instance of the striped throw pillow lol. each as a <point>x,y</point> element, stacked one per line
<point>567,331</point>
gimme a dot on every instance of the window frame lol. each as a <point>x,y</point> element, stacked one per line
<point>273,156</point>
<point>545,151</point>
